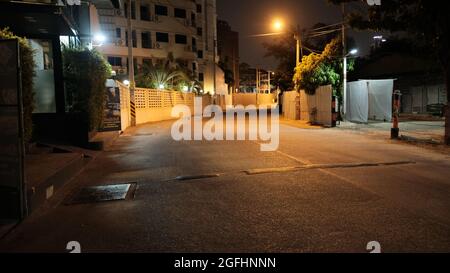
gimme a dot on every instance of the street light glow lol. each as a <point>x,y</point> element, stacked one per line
<point>277,25</point>
<point>354,51</point>
<point>99,38</point>
<point>126,82</point>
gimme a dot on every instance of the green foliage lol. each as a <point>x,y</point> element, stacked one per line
<point>426,23</point>
<point>322,69</point>
<point>229,77</point>
<point>282,48</point>
<point>171,74</point>
<point>85,74</point>
<point>28,72</point>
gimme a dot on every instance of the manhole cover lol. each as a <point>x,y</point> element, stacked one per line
<point>103,193</point>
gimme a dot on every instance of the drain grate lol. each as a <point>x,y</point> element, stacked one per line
<point>103,193</point>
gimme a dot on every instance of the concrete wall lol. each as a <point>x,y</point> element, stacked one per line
<point>418,99</point>
<point>262,100</point>
<point>155,105</point>
<point>317,108</point>
<point>291,105</point>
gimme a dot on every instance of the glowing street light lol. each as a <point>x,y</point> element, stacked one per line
<point>126,82</point>
<point>277,25</point>
<point>353,51</point>
<point>344,84</point>
<point>98,39</point>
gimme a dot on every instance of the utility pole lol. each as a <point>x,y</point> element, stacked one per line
<point>299,50</point>
<point>131,65</point>
<point>344,54</point>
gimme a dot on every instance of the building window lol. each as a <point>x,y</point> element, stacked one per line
<point>162,37</point>
<point>133,37</point>
<point>145,13</point>
<point>194,67</point>
<point>115,61</point>
<point>199,31</point>
<point>199,8</point>
<point>180,13</point>
<point>201,77</point>
<point>133,10</point>
<point>44,79</point>
<point>146,40</point>
<point>180,39</point>
<point>194,44</point>
<point>200,54</point>
<point>161,10</point>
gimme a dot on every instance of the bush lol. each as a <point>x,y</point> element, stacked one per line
<point>322,69</point>
<point>85,74</point>
<point>28,72</point>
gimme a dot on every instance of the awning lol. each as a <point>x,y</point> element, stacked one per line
<point>32,19</point>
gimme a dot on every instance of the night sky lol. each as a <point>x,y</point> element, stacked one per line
<point>250,17</point>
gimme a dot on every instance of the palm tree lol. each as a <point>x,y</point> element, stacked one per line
<point>171,74</point>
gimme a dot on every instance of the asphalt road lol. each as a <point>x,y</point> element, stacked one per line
<point>336,206</point>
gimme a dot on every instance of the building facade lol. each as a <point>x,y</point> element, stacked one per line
<point>182,29</point>
<point>228,51</point>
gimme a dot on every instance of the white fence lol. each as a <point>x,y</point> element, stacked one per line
<point>156,105</point>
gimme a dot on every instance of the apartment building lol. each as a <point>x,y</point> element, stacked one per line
<point>228,51</point>
<point>185,29</point>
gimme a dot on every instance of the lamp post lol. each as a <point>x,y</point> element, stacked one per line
<point>344,81</point>
<point>299,51</point>
<point>131,63</point>
<point>278,27</point>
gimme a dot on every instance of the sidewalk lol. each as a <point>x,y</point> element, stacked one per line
<point>429,134</point>
<point>301,124</point>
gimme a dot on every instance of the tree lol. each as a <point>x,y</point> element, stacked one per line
<point>85,74</point>
<point>283,50</point>
<point>322,69</point>
<point>172,74</point>
<point>27,66</point>
<point>426,22</point>
<point>229,76</point>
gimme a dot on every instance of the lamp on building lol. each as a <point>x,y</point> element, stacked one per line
<point>98,39</point>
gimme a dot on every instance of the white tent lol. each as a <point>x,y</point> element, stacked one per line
<point>369,100</point>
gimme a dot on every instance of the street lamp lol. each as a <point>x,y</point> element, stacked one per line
<point>131,60</point>
<point>277,25</point>
<point>98,39</point>
<point>353,52</point>
<point>344,82</point>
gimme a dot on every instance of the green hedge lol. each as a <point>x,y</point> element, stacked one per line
<point>85,74</point>
<point>28,72</point>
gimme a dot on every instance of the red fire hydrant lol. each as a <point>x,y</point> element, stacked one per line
<point>395,131</point>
